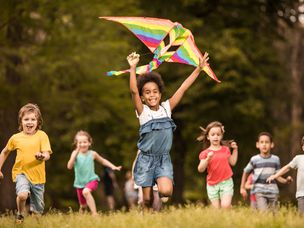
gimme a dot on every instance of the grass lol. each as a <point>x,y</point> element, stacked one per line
<point>189,216</point>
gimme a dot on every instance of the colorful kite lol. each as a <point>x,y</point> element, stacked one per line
<point>168,41</point>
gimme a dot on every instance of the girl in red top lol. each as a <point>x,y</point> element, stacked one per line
<point>217,158</point>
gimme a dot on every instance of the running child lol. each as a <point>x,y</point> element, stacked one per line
<point>33,149</point>
<point>86,180</point>
<point>156,128</point>
<point>263,165</point>
<point>296,163</point>
<point>217,159</point>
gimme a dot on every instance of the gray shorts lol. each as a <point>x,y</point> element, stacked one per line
<point>35,191</point>
<point>266,201</point>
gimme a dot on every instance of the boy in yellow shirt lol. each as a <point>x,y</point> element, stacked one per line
<point>33,149</point>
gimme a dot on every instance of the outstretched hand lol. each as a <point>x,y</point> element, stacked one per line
<point>133,59</point>
<point>270,179</point>
<point>203,61</point>
<point>117,168</point>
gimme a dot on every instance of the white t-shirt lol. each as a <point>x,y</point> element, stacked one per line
<point>298,163</point>
<point>148,114</point>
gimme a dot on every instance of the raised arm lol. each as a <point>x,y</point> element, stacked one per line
<point>204,162</point>
<point>234,155</point>
<point>3,156</point>
<point>105,162</point>
<point>72,160</point>
<point>133,59</point>
<point>176,98</point>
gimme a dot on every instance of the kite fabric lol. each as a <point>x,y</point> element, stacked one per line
<point>153,32</point>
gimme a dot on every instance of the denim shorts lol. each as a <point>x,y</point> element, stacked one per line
<point>149,167</point>
<point>35,191</point>
<point>224,188</point>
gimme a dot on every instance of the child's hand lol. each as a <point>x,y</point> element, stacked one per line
<point>117,168</point>
<point>243,193</point>
<point>270,179</point>
<point>210,155</point>
<point>233,145</point>
<point>39,156</point>
<point>204,61</point>
<point>133,59</point>
<point>1,175</point>
<point>289,179</point>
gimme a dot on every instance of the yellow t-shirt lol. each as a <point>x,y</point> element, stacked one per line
<point>27,146</point>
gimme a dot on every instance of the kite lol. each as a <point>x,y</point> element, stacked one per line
<point>168,41</point>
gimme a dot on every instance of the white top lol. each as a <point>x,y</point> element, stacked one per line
<point>298,163</point>
<point>148,114</point>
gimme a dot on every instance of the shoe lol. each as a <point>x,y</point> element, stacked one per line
<point>164,199</point>
<point>19,219</point>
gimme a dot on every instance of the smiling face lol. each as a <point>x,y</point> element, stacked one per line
<point>29,123</point>
<point>151,95</point>
<point>215,136</point>
<point>264,144</point>
<point>83,143</point>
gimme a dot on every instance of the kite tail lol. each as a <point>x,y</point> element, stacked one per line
<point>139,70</point>
<point>210,72</point>
<point>115,73</point>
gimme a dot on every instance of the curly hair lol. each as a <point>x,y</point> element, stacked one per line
<point>150,77</point>
<point>302,141</point>
<point>30,108</point>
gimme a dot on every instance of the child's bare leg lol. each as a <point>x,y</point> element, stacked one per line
<point>146,197</point>
<point>90,200</point>
<point>82,209</point>
<point>165,186</point>
<point>157,203</point>
<point>21,200</point>
<point>226,201</point>
<point>111,202</point>
<point>215,203</point>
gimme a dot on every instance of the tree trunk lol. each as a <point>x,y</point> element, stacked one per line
<point>179,155</point>
<point>8,122</point>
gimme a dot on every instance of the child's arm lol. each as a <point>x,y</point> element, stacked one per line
<point>234,155</point>
<point>204,162</point>
<point>280,173</point>
<point>72,160</point>
<point>133,164</point>
<point>248,184</point>
<point>3,156</point>
<point>42,155</point>
<point>133,59</point>
<point>105,162</point>
<point>175,99</point>
<point>286,180</point>
<point>242,187</point>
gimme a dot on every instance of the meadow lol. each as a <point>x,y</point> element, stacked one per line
<point>171,217</point>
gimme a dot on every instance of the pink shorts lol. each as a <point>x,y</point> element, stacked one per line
<point>92,186</point>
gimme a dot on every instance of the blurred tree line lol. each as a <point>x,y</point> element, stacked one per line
<point>56,53</point>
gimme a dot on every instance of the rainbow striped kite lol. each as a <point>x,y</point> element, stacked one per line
<point>168,41</point>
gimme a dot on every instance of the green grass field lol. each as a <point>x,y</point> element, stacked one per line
<point>188,216</point>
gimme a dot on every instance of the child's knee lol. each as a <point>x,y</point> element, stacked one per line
<point>23,196</point>
<point>166,192</point>
<point>86,192</point>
